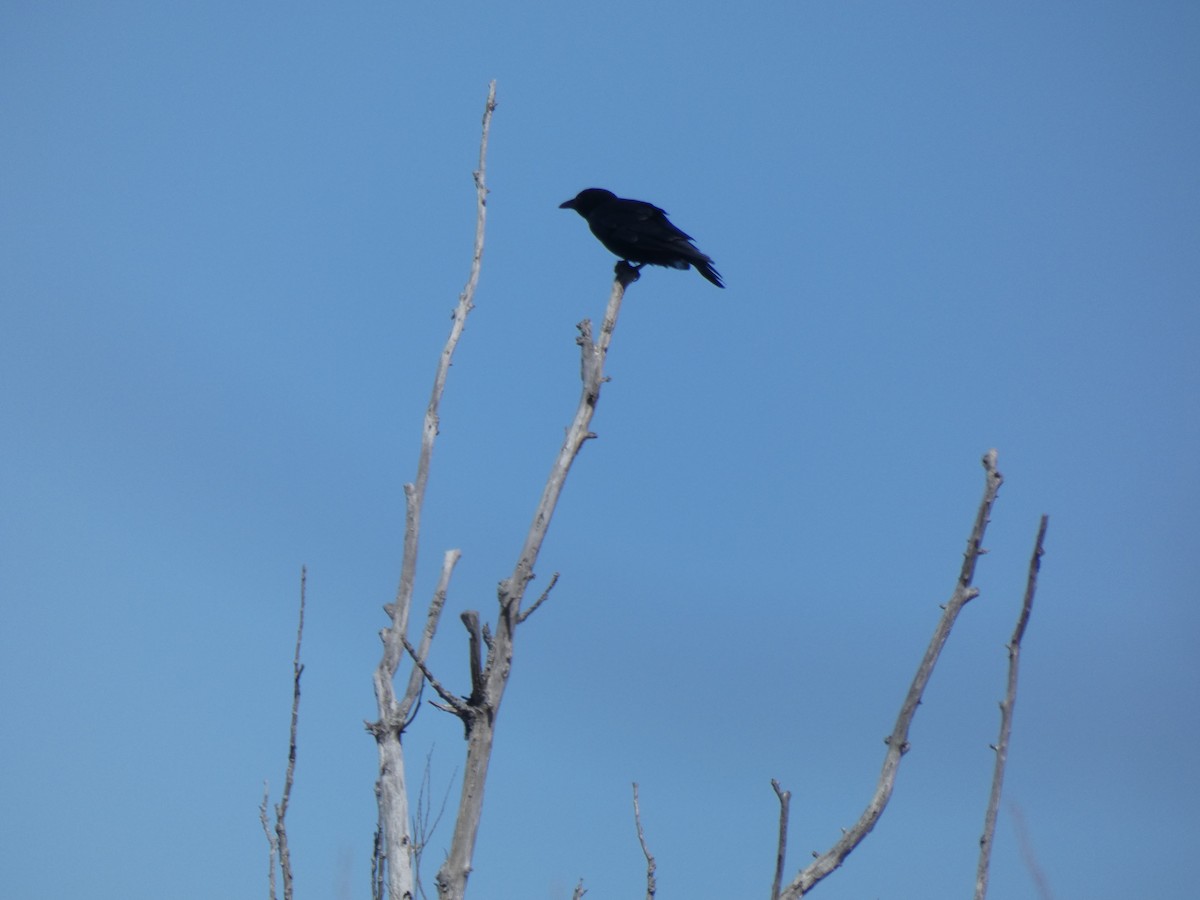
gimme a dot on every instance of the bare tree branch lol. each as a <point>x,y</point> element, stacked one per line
<point>454,703</point>
<point>285,857</point>
<point>579,891</point>
<point>480,717</point>
<point>420,672</point>
<point>785,799</point>
<point>412,692</point>
<point>1006,716</point>
<point>540,600</point>
<point>651,865</point>
<point>392,862</point>
<point>897,741</point>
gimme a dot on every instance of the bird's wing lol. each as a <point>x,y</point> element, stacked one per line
<point>636,222</point>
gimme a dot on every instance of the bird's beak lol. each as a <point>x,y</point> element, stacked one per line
<point>570,204</point>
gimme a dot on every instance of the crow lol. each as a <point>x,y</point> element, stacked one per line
<point>639,233</point>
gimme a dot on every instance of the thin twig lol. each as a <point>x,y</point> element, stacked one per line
<point>897,741</point>
<point>1006,716</point>
<point>277,842</point>
<point>424,823</point>
<point>285,858</point>
<point>272,846</point>
<point>651,865</point>
<point>1041,883</point>
<point>785,799</point>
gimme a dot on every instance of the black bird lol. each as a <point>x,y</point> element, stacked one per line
<point>639,233</point>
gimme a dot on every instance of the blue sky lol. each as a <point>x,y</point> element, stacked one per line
<point>230,239</point>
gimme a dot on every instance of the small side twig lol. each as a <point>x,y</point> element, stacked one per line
<point>785,799</point>
<point>1006,715</point>
<point>651,865</point>
<point>540,600</point>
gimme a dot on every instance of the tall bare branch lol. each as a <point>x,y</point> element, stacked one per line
<point>1006,716</point>
<point>393,849</point>
<point>897,741</point>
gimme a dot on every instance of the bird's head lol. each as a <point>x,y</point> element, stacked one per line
<point>587,200</point>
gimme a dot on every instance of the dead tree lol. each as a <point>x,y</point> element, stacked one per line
<point>490,653</point>
<point>490,649</point>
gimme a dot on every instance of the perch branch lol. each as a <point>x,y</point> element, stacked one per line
<point>452,877</point>
<point>897,741</point>
<point>1006,716</point>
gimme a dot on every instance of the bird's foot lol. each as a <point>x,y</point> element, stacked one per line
<point>627,273</point>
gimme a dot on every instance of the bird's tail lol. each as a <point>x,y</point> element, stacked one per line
<point>705,267</point>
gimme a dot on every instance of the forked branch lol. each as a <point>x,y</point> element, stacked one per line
<point>897,741</point>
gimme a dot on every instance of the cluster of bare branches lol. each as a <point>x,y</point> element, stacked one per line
<point>490,650</point>
<point>964,591</point>
<point>400,836</point>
